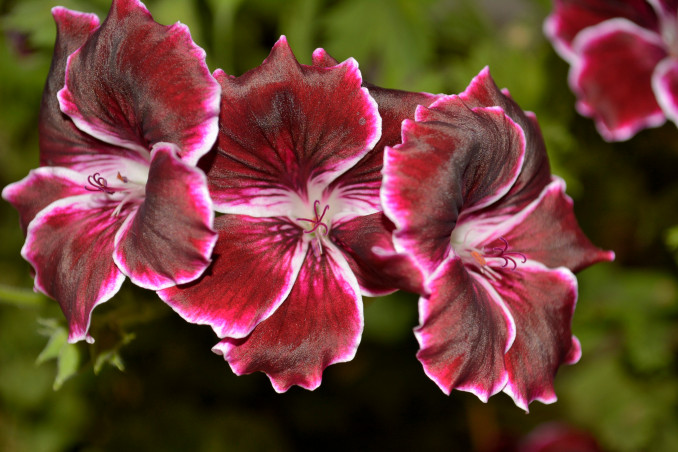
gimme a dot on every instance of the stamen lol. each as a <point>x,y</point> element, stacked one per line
<point>506,255</point>
<point>318,221</point>
<point>99,183</point>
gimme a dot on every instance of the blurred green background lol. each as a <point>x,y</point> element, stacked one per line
<point>175,394</point>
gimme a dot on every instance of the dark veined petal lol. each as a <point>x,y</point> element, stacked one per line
<point>363,180</point>
<point>541,302</point>
<point>464,331</point>
<point>459,159</point>
<point>535,173</point>
<point>40,188</point>
<point>665,87</point>
<point>61,142</point>
<point>569,17</point>
<point>620,106</point>
<point>135,83</point>
<point>168,240</point>
<point>361,183</point>
<point>70,246</point>
<point>292,346</point>
<point>283,125</point>
<point>366,242</point>
<point>255,264</point>
<point>547,231</point>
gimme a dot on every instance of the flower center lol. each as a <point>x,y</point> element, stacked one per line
<point>487,259</point>
<point>122,194</point>
<point>317,228</point>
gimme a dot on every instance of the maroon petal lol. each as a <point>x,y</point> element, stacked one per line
<point>363,181</point>
<point>135,83</point>
<point>547,231</point>
<point>542,303</point>
<point>460,158</point>
<point>569,17</point>
<point>168,240</point>
<point>39,189</point>
<point>256,261</point>
<point>61,142</point>
<point>319,324</point>
<point>70,246</point>
<point>284,124</point>
<point>464,331</point>
<point>535,173</point>
<point>367,246</point>
<point>665,87</point>
<point>613,78</point>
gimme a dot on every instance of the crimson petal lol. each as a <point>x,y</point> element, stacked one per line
<point>464,331</point>
<point>40,188</point>
<point>61,142</point>
<point>135,83</point>
<point>256,261</point>
<point>569,17</point>
<point>535,173</point>
<point>168,240</point>
<point>366,242</point>
<point>547,231</point>
<point>459,158</point>
<point>621,106</point>
<point>70,246</point>
<point>541,302</point>
<point>283,124</point>
<point>293,347</point>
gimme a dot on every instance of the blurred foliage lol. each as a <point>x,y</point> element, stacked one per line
<point>174,394</point>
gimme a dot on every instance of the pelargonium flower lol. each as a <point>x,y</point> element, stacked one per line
<point>473,201</point>
<point>128,109</point>
<point>302,235</point>
<point>624,61</point>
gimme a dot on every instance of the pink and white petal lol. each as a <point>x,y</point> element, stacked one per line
<point>40,188</point>
<point>284,124</point>
<point>135,83</point>
<point>169,239</point>
<point>458,159</point>
<point>61,142</point>
<point>612,77</point>
<point>255,264</point>
<point>665,87</point>
<point>319,324</point>
<point>70,246</point>
<point>464,331</point>
<point>547,231</point>
<point>569,17</point>
<point>542,303</point>
<point>366,243</point>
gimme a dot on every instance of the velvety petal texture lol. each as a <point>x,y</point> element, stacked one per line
<point>283,127</point>
<point>296,175</point>
<point>622,61</point>
<point>496,240</point>
<point>319,324</point>
<point>128,108</point>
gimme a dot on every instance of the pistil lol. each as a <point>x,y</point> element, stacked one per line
<point>486,260</point>
<point>316,224</point>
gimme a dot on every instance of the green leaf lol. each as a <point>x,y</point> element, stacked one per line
<point>67,364</point>
<point>66,355</point>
